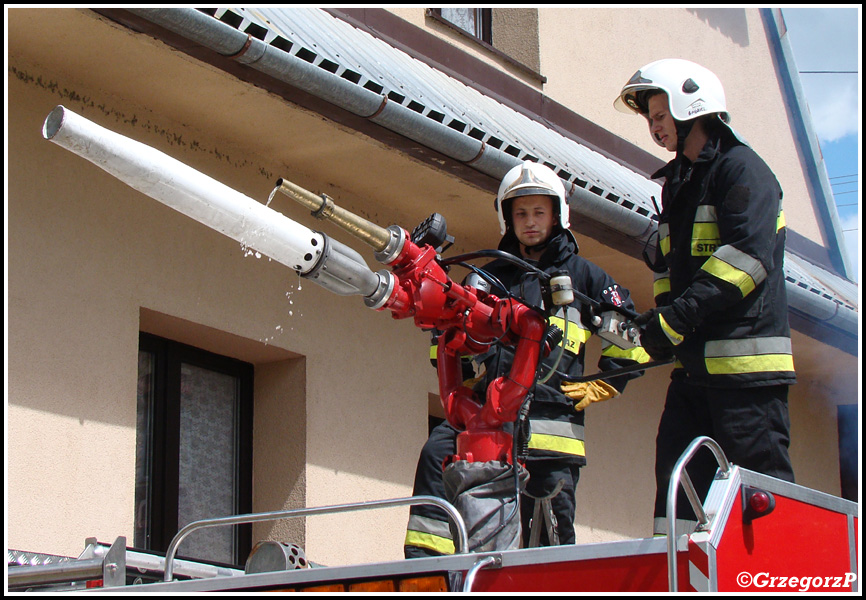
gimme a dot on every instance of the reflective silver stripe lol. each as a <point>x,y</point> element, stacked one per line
<point>753,355</point>
<point>736,267</point>
<point>747,347</point>
<point>428,525</point>
<point>705,213</point>
<point>560,428</point>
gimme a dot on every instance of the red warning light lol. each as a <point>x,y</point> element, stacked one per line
<point>756,503</point>
<point>760,502</point>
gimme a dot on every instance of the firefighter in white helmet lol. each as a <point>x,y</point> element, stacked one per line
<point>533,216</point>
<point>721,304</point>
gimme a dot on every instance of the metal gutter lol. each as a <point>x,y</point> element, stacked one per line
<point>368,78</point>
<point>332,60</point>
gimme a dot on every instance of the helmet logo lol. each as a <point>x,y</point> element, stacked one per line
<point>696,107</point>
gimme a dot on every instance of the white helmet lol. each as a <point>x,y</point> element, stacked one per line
<point>693,91</point>
<point>528,179</point>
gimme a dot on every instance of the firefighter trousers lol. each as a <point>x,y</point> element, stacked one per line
<point>428,532</point>
<point>750,424</point>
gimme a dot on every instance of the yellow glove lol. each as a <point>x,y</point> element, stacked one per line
<point>587,392</point>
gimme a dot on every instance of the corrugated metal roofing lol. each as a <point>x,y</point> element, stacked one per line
<point>336,47</point>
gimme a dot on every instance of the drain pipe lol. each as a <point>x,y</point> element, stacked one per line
<point>224,39</point>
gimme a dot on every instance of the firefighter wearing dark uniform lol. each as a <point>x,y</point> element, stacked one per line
<point>556,449</point>
<point>721,306</point>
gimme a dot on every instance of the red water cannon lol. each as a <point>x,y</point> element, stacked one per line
<point>471,319</point>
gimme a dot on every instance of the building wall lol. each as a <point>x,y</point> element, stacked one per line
<point>341,392</point>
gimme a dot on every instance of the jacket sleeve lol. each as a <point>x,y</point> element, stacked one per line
<point>748,217</point>
<point>604,289</point>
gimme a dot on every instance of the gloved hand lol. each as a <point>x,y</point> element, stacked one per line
<point>658,333</point>
<point>586,392</point>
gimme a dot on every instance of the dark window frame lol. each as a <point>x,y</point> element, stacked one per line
<point>484,18</point>
<point>486,41</point>
<point>165,441</point>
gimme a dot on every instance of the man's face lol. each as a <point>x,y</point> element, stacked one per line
<point>661,123</point>
<point>532,218</point>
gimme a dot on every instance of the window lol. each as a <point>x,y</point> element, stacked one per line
<point>193,449</point>
<point>849,469</point>
<point>474,21</point>
<point>516,32</point>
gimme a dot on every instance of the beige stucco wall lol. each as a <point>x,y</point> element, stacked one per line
<point>341,391</point>
<point>612,44</point>
<point>87,252</point>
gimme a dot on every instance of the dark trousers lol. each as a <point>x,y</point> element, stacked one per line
<point>543,477</point>
<point>751,425</point>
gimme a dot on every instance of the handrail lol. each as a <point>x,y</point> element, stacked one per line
<point>461,547</point>
<point>680,473</point>
<point>480,564</point>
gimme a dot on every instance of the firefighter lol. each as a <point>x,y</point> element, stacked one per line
<point>533,216</point>
<point>721,306</point>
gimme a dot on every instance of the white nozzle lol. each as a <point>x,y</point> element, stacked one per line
<point>188,191</point>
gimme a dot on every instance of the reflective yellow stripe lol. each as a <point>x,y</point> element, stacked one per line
<point>780,220</point>
<point>434,351</point>
<point>556,436</point>
<point>637,354</point>
<point>555,443</point>
<point>733,365</point>
<point>661,284</point>
<point>672,335</point>
<point>705,231</point>
<point>705,239</point>
<point>577,335</point>
<point>665,238</point>
<point>749,355</point>
<point>736,267</point>
<point>429,541</point>
<point>732,275</point>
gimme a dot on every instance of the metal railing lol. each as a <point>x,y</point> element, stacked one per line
<point>461,543</point>
<point>110,568</point>
<point>679,474</point>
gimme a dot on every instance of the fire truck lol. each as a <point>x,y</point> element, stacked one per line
<point>753,532</point>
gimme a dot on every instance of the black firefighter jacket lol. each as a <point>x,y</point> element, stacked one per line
<point>722,237</point>
<point>556,428</point>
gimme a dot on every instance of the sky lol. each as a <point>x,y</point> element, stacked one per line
<point>828,39</point>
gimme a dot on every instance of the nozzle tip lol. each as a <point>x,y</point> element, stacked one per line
<point>53,122</point>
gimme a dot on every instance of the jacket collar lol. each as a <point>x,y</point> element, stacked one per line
<point>562,244</point>
<point>716,144</point>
